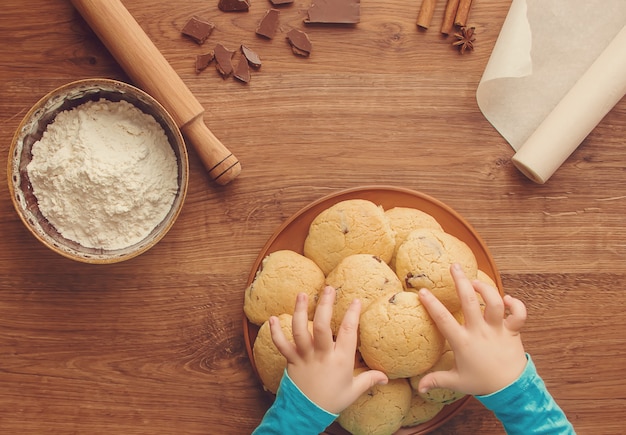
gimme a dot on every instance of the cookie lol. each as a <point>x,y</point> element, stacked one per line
<point>354,226</point>
<point>378,411</point>
<point>423,260</point>
<point>360,276</point>
<point>398,336</point>
<point>421,411</point>
<point>442,396</point>
<point>403,220</point>
<point>282,275</point>
<point>482,276</point>
<point>270,363</point>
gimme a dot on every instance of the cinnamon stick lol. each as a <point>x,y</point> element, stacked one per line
<point>462,13</point>
<point>425,15</point>
<point>449,16</point>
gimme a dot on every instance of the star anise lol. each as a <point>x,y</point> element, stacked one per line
<point>465,39</point>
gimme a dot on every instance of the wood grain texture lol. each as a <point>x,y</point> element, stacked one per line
<point>154,345</point>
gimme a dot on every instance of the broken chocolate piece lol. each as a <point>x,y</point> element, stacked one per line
<point>281,2</point>
<point>242,73</point>
<point>198,29</point>
<point>268,24</point>
<point>234,5</point>
<point>203,61</point>
<point>253,59</point>
<point>300,42</point>
<point>334,12</point>
<point>223,60</point>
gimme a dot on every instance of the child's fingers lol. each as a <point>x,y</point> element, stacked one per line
<point>348,331</point>
<point>323,335</point>
<point>300,325</point>
<point>515,321</point>
<point>446,323</point>
<point>467,295</point>
<point>494,309</point>
<point>284,346</point>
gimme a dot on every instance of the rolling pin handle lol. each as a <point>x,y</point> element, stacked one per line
<point>222,166</point>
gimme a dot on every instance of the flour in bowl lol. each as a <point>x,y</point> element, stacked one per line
<point>104,174</point>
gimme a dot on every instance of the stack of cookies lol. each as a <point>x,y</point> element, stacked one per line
<point>382,257</point>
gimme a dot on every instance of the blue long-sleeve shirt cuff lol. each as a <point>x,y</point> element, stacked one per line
<point>293,411</point>
<point>526,407</point>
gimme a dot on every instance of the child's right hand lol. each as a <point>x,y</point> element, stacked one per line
<point>488,349</point>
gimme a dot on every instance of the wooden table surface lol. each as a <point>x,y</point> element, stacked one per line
<point>154,345</point>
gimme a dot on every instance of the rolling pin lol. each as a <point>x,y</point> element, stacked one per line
<point>146,66</point>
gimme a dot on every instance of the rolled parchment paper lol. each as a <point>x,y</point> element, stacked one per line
<point>576,115</point>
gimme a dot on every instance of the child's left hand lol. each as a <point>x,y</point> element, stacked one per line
<point>320,367</point>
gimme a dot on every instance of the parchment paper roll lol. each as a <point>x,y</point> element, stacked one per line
<point>576,115</point>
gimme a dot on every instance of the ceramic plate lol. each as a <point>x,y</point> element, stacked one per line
<point>292,233</point>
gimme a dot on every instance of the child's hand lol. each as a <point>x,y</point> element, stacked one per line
<point>488,349</point>
<point>320,367</point>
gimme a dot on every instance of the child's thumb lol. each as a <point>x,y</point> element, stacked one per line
<point>366,380</point>
<point>437,380</point>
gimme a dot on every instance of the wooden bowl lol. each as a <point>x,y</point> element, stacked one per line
<point>292,233</point>
<point>31,130</point>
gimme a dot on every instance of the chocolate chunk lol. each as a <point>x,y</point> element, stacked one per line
<point>417,281</point>
<point>242,73</point>
<point>253,59</point>
<point>334,12</point>
<point>198,29</point>
<point>281,2</point>
<point>268,24</point>
<point>223,60</point>
<point>204,60</point>
<point>300,42</point>
<point>234,5</point>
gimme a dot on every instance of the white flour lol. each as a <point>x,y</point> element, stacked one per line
<point>104,174</point>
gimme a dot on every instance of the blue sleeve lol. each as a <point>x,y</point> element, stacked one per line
<point>293,412</point>
<point>526,407</point>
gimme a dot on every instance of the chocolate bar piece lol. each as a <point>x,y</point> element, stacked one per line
<point>334,12</point>
<point>253,59</point>
<point>204,60</point>
<point>300,42</point>
<point>268,24</point>
<point>223,60</point>
<point>234,5</point>
<point>242,73</point>
<point>198,29</point>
